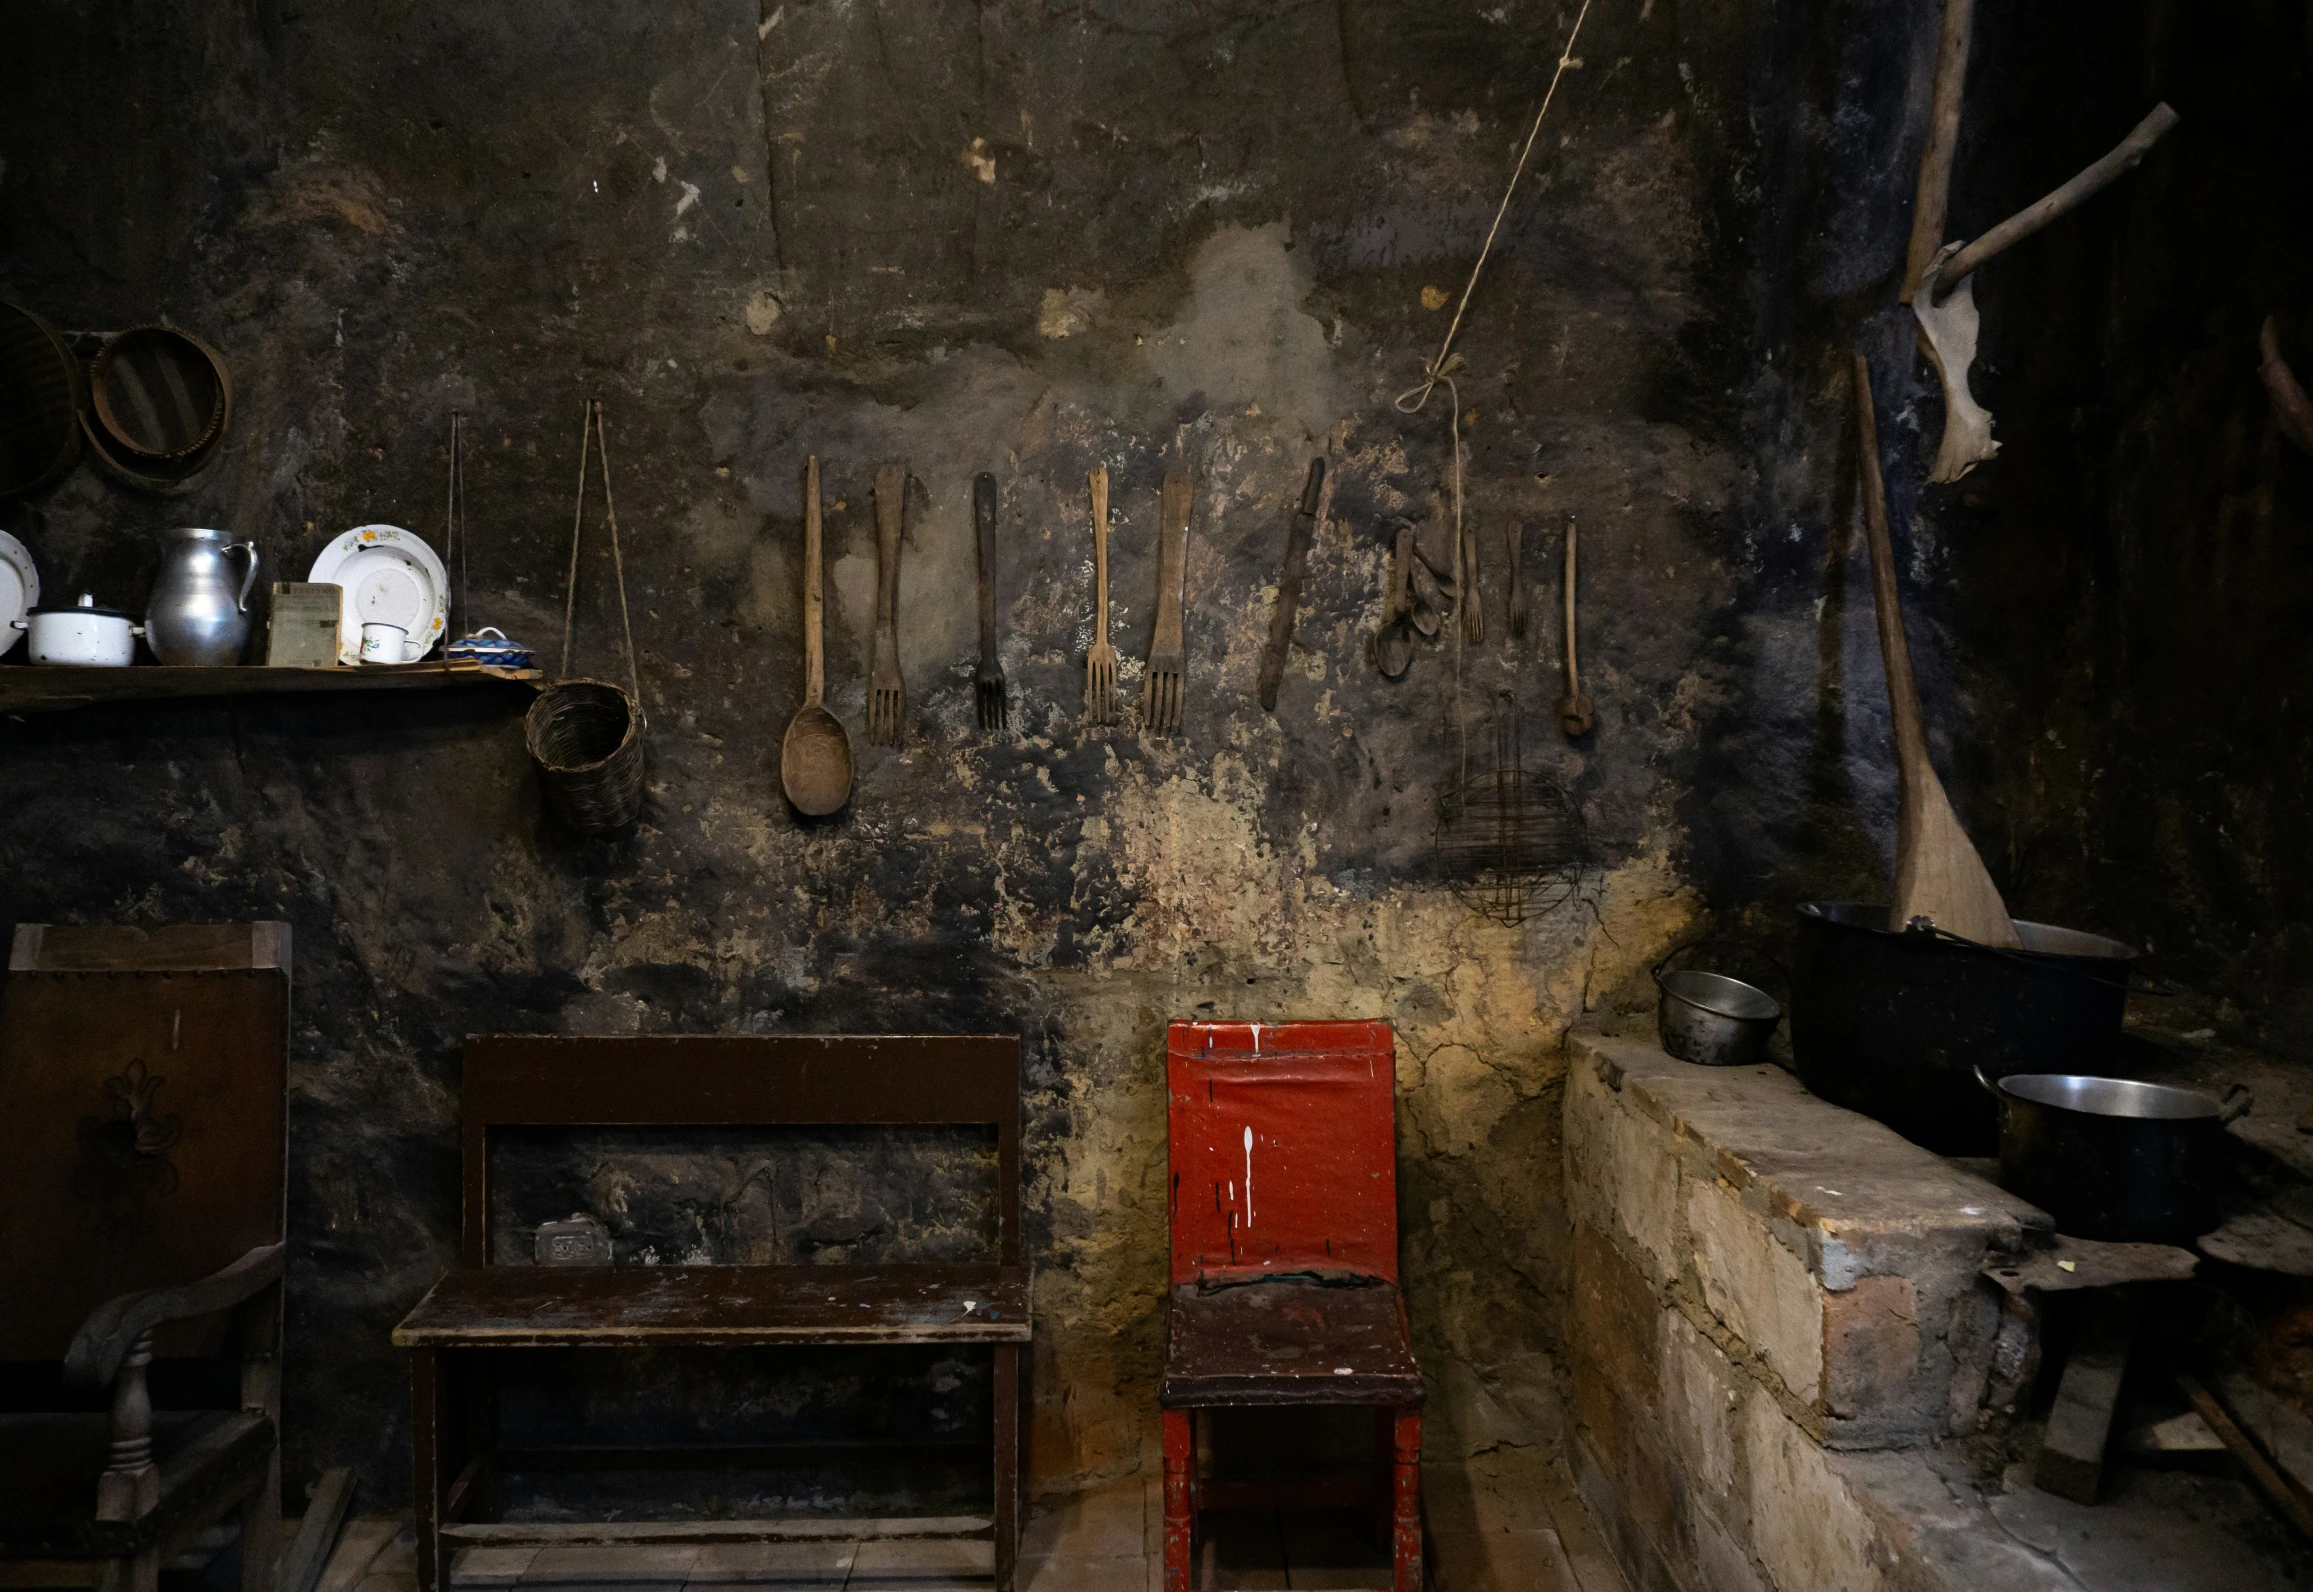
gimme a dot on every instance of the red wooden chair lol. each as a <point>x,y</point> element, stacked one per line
<point>1284,1263</point>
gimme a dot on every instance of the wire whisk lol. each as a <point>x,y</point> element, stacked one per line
<point>1508,839</point>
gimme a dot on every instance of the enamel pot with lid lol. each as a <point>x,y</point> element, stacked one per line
<point>83,634</point>
<point>2114,1159</point>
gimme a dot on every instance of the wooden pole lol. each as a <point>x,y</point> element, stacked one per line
<point>2124,158</point>
<point>1935,161</point>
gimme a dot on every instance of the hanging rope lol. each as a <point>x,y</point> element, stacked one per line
<point>454,525</point>
<point>592,433</point>
<point>1441,369</point>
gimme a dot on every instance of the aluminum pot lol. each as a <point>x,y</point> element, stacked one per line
<point>83,635</point>
<point>2114,1159</point>
<point>1713,1020</point>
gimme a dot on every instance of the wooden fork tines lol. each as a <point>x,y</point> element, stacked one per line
<point>988,685</point>
<point>1100,662</point>
<point>886,693</point>
<point>1160,710</point>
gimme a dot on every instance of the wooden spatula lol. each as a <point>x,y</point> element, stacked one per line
<point>1938,875</point>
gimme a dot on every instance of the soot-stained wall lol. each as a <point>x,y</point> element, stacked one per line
<point>1215,236</point>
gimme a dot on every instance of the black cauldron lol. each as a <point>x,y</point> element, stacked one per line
<point>1895,1024</point>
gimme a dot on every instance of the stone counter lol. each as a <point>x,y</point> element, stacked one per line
<point>1763,1280</point>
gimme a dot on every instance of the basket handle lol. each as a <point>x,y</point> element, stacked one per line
<point>591,432</point>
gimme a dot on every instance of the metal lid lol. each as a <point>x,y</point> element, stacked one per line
<point>86,605</point>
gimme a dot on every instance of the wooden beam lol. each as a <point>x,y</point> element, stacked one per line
<point>1930,203</point>
<point>317,1532</point>
<point>37,688</point>
<point>2275,1486</point>
<point>2071,1463</point>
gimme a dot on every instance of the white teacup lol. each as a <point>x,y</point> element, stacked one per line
<point>382,643</point>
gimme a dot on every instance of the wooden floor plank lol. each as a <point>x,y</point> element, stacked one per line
<point>358,1546</point>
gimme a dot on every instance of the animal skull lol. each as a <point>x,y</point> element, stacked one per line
<point>1950,329</point>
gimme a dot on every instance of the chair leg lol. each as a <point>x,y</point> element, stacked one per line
<point>138,1573</point>
<point>1180,1514</point>
<point>1385,1473</point>
<point>1406,1503</point>
<point>428,1480</point>
<point>1007,1464</point>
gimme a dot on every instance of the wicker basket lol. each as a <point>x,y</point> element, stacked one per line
<point>586,736</point>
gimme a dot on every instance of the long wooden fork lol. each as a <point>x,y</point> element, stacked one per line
<point>886,692</point>
<point>1100,662</point>
<point>1160,695</point>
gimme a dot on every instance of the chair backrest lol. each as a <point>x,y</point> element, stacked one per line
<point>143,1082</point>
<point>674,1081</point>
<point>1282,1139</point>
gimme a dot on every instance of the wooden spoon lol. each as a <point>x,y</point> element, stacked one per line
<point>815,757</point>
<point>1393,642</point>
<point>1938,875</point>
<point>1426,600</point>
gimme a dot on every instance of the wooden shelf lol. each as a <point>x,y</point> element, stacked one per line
<point>39,688</point>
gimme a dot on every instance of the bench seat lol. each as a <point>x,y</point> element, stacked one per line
<point>514,1307</point>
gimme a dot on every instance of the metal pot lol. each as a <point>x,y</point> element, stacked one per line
<point>195,615</point>
<point>1713,1020</point>
<point>1889,1023</point>
<point>2114,1159</point>
<point>83,635</point>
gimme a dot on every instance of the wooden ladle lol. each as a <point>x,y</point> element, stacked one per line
<point>815,756</point>
<point>1938,875</point>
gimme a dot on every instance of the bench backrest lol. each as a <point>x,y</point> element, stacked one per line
<point>1282,1139</point>
<point>672,1081</point>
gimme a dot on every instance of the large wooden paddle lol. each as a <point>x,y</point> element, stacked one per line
<point>1938,875</point>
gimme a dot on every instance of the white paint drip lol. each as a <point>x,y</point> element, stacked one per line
<point>1256,1042</point>
<point>690,197</point>
<point>1248,1174</point>
<point>770,22</point>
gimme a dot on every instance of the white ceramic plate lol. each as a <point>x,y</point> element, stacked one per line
<point>388,576</point>
<point>19,589</point>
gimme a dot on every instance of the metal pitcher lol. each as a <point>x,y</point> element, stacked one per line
<point>197,615</point>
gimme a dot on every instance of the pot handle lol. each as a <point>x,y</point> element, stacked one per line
<point>242,602</point>
<point>2238,1103</point>
<point>1990,1087</point>
<point>1719,939</point>
<point>2130,979</point>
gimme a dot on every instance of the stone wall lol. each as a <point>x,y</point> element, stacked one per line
<point>1025,239</point>
<point>959,237</point>
<point>1764,1284</point>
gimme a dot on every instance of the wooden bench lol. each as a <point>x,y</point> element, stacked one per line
<point>695,1082</point>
